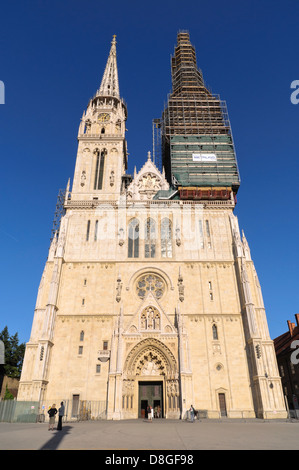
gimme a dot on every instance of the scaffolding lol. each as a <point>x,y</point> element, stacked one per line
<point>197,143</point>
<point>157,143</point>
<point>59,213</point>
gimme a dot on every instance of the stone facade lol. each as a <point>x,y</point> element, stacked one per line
<point>143,300</point>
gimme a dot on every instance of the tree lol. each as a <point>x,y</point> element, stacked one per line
<point>8,395</point>
<point>14,354</point>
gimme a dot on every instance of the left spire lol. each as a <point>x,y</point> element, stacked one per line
<point>109,85</point>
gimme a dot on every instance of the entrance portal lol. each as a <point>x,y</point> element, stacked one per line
<point>150,394</point>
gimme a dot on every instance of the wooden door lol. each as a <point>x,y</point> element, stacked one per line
<point>222,404</point>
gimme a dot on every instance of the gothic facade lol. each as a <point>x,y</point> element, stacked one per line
<point>149,295</point>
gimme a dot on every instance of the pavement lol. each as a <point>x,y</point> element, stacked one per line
<point>160,434</point>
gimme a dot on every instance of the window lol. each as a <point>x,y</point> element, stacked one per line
<point>208,228</point>
<point>105,345</point>
<point>100,163</point>
<point>133,242</point>
<point>88,230</point>
<point>98,368</point>
<point>96,230</point>
<point>41,356</point>
<point>83,301</point>
<point>201,234</point>
<point>258,351</point>
<point>80,350</point>
<point>150,239</point>
<point>150,283</point>
<point>215,332</point>
<point>82,336</point>
<point>166,242</point>
<point>210,290</point>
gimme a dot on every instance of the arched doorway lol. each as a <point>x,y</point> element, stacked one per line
<point>153,369</point>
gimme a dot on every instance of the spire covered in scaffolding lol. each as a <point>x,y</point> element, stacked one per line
<point>197,145</point>
<point>186,77</point>
<point>109,85</point>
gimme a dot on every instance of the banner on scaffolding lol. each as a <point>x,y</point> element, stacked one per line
<point>204,157</point>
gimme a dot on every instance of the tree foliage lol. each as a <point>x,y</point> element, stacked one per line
<point>14,354</point>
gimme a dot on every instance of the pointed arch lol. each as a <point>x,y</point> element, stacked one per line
<point>150,355</point>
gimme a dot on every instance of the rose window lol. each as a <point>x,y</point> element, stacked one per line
<point>150,283</point>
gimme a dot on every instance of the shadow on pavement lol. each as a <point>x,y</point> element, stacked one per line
<point>56,438</point>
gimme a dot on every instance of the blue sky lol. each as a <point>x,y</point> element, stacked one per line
<point>53,55</point>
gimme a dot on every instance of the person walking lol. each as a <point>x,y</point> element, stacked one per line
<point>60,416</point>
<point>192,413</point>
<point>52,412</point>
<point>149,413</point>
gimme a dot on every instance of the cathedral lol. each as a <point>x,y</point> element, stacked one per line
<point>149,295</point>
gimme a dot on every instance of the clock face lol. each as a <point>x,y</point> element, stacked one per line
<point>104,117</point>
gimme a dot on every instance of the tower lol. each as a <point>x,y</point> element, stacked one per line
<point>149,295</point>
<point>198,150</point>
<point>102,152</point>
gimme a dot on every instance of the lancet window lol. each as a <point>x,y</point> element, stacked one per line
<point>99,173</point>
<point>150,239</point>
<point>133,239</point>
<point>166,238</point>
<point>215,332</point>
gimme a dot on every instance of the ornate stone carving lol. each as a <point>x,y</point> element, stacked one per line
<point>112,178</point>
<point>121,240</point>
<point>172,388</point>
<point>103,355</point>
<point>151,349</point>
<point>150,319</point>
<point>178,236</point>
<point>118,289</point>
<point>151,364</point>
<point>147,182</point>
<point>181,287</point>
<point>83,177</point>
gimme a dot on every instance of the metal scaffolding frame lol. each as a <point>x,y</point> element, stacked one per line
<point>59,212</point>
<point>195,121</point>
<point>157,143</point>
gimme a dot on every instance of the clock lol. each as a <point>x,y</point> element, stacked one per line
<point>104,117</point>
